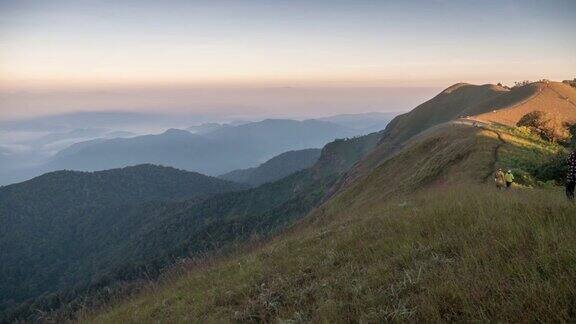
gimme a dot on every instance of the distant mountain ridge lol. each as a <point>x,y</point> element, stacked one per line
<point>276,168</point>
<point>365,123</point>
<point>63,149</point>
<point>206,128</point>
<point>216,152</point>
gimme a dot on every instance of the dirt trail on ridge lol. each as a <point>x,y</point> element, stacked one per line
<point>495,151</point>
<point>495,154</point>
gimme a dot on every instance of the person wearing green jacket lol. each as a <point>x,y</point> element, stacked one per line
<point>509,177</point>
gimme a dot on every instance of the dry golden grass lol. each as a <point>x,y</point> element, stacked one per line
<point>556,98</point>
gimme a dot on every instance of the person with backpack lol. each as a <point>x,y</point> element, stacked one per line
<point>571,177</point>
<point>509,177</point>
<point>499,179</point>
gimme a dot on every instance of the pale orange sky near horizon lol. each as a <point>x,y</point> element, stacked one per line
<point>65,55</point>
<point>220,103</point>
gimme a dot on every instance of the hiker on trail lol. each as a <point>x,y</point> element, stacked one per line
<point>571,178</point>
<point>499,179</point>
<point>509,177</point>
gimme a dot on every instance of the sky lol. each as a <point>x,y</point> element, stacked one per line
<point>276,57</point>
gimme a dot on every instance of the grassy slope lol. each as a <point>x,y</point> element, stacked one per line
<point>379,251</point>
<point>456,101</point>
<point>487,103</point>
<point>556,98</point>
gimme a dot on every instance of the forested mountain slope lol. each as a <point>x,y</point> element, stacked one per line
<point>276,168</point>
<point>61,229</point>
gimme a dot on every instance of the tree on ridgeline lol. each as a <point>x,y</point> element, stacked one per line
<point>543,124</point>
<point>571,83</point>
<point>519,84</point>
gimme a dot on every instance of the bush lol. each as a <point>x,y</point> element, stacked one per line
<point>521,83</point>
<point>571,83</point>
<point>524,178</point>
<point>555,169</point>
<point>544,124</point>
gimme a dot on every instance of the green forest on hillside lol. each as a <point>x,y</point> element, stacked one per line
<point>276,168</point>
<point>66,230</point>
